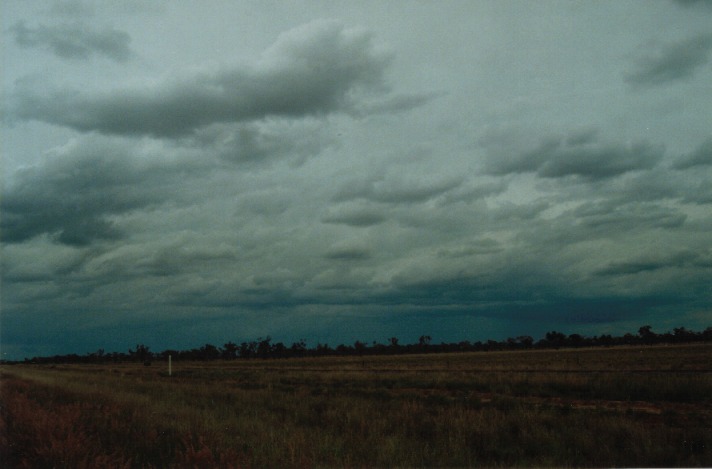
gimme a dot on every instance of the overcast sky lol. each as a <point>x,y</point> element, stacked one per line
<point>189,172</point>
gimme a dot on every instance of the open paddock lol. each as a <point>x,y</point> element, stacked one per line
<point>634,406</point>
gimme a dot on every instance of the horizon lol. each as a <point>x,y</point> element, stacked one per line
<point>181,173</point>
<point>645,335</point>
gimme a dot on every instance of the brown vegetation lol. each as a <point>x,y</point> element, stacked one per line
<point>636,406</point>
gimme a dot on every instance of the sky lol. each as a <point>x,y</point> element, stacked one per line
<point>176,173</point>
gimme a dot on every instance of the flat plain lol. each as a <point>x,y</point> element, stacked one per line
<point>593,407</point>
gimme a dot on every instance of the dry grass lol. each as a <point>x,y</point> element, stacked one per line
<point>597,407</point>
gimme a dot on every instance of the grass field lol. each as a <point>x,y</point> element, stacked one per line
<point>644,406</point>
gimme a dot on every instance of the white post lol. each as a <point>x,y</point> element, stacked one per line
<point>169,365</point>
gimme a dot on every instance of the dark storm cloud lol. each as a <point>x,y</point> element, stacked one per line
<point>75,41</point>
<point>175,258</point>
<point>473,248</point>
<point>700,193</point>
<point>579,154</point>
<point>513,280</point>
<point>392,104</point>
<point>73,195</point>
<point>405,191</point>
<point>646,186</point>
<point>469,191</point>
<point>518,212</point>
<point>618,217</point>
<point>261,298</point>
<point>394,190</point>
<point>342,185</point>
<point>613,219</point>
<point>702,156</point>
<point>574,312</point>
<point>312,70</point>
<point>689,183</point>
<point>650,263</point>
<point>672,62</point>
<point>348,253</point>
<point>264,141</point>
<point>354,216</point>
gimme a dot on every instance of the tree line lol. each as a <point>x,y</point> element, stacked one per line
<point>266,348</point>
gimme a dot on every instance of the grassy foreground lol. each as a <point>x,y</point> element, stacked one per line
<point>643,406</point>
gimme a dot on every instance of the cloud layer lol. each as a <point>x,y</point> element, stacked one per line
<point>235,174</point>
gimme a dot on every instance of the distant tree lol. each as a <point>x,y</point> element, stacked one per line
<point>96,357</point>
<point>424,341</point>
<point>492,345</point>
<point>464,346</point>
<point>342,349</point>
<point>526,341</point>
<point>230,350</point>
<point>606,340</point>
<point>248,349</point>
<point>299,349</point>
<point>279,350</point>
<point>707,334</point>
<point>681,334</point>
<point>142,353</point>
<point>264,349</point>
<point>555,339</point>
<point>359,347</point>
<point>378,348</point>
<point>576,340</point>
<point>647,335</point>
<point>209,352</point>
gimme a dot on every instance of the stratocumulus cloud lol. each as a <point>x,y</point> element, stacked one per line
<point>73,194</point>
<point>671,62</point>
<point>702,156</point>
<point>578,155</point>
<point>311,70</point>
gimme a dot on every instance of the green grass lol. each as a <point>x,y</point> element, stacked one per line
<point>595,407</point>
